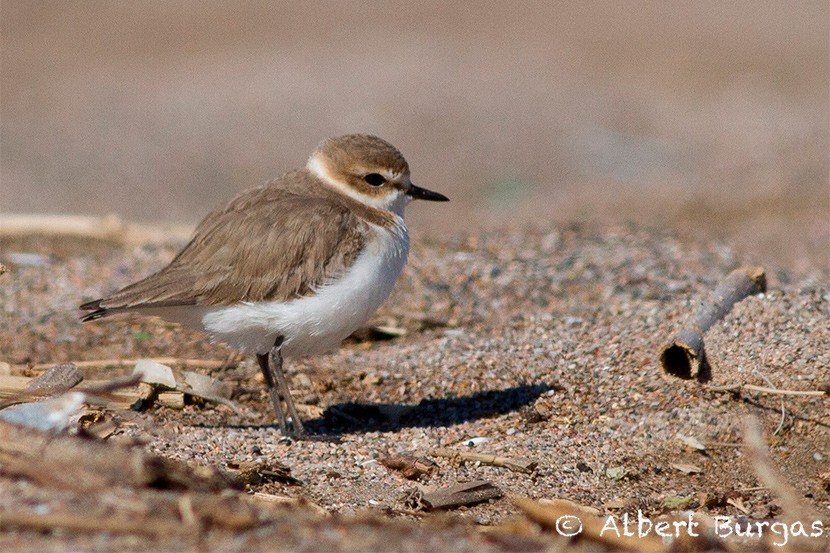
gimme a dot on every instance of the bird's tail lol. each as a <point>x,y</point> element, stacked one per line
<point>95,311</point>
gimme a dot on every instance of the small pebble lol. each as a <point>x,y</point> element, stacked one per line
<point>41,509</point>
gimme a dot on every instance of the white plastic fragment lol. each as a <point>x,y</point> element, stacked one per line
<point>203,385</point>
<point>155,373</point>
<point>52,414</point>
<point>690,441</point>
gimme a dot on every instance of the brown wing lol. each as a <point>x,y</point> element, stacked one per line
<point>267,244</point>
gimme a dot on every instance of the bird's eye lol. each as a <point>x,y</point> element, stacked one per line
<point>374,179</point>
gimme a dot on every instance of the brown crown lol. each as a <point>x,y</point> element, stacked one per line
<point>345,154</point>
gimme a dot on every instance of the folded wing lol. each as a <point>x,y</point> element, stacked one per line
<point>266,245</point>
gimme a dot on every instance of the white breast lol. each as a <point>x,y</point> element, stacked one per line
<point>317,323</point>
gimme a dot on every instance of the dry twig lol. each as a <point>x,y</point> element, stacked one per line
<point>210,364</point>
<point>685,357</point>
<point>83,465</point>
<point>110,228</point>
<point>454,496</point>
<point>118,392</point>
<point>85,523</point>
<point>737,388</point>
<point>791,506</point>
<point>783,405</point>
<point>302,502</point>
<point>518,465</point>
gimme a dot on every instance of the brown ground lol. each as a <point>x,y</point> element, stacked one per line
<point>607,163</point>
<point>545,342</point>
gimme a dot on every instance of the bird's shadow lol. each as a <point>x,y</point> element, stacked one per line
<point>351,417</point>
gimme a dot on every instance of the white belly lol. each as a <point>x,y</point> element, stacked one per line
<point>317,323</point>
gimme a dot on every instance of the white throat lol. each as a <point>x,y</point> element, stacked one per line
<point>396,201</point>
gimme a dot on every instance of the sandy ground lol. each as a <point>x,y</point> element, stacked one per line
<point>543,344</point>
<point>608,164</point>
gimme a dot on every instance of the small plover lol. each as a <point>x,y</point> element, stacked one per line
<point>292,267</point>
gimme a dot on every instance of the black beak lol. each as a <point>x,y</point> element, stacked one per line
<point>418,193</point>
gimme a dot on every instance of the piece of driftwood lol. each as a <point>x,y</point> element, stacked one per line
<point>13,390</point>
<point>161,514</point>
<point>94,425</point>
<point>55,380</point>
<point>110,228</point>
<point>259,498</point>
<point>565,518</point>
<point>169,387</point>
<point>253,473</point>
<point>107,488</point>
<point>209,364</point>
<point>170,398</point>
<point>518,465</point>
<point>454,496</point>
<point>410,466</point>
<point>73,463</point>
<point>207,389</point>
<point>685,357</point>
<point>83,523</point>
<point>121,393</point>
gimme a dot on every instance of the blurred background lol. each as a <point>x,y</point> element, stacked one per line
<point>710,118</point>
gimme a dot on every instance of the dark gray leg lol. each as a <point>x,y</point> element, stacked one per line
<point>262,359</point>
<point>279,390</point>
<point>297,429</point>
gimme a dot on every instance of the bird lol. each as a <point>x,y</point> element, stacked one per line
<point>292,267</point>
